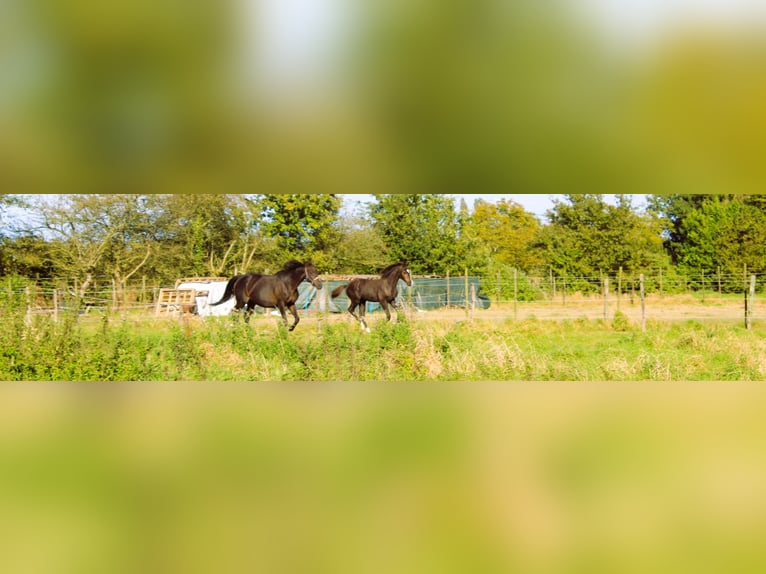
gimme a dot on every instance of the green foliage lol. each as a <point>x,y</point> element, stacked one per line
<point>303,224</point>
<point>587,237</point>
<point>725,236</point>
<point>670,212</point>
<point>359,249</point>
<point>422,229</point>
<point>504,233</point>
<point>225,349</point>
<point>501,281</point>
<point>620,321</point>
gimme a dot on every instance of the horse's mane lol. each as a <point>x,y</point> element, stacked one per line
<point>391,269</point>
<point>292,264</point>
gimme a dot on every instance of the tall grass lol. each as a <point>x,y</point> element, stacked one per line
<point>226,349</point>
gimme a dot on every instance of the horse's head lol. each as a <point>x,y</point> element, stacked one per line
<point>311,274</point>
<point>405,274</point>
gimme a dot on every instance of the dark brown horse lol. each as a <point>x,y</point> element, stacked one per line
<point>269,291</point>
<point>383,291</point>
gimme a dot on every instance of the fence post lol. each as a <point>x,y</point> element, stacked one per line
<point>448,282</point>
<point>718,270</point>
<point>473,300</point>
<point>55,305</point>
<point>619,287</point>
<point>749,302</point>
<point>564,290</point>
<point>643,303</point>
<point>606,296</point>
<point>744,283</point>
<point>553,284</point>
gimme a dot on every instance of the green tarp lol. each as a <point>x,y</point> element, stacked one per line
<point>425,294</point>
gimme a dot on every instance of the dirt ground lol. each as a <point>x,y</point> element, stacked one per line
<point>672,308</point>
<point>656,308</point>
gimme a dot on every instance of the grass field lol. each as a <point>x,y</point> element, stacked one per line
<point>436,346</point>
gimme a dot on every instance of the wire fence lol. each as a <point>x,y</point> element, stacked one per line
<point>510,295</point>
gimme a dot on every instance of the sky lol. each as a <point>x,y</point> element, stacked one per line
<point>537,204</point>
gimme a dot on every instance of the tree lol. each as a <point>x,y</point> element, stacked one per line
<point>724,235</point>
<point>200,234</point>
<point>93,235</point>
<point>422,229</point>
<point>360,248</point>
<point>505,232</point>
<point>587,236</point>
<point>670,211</point>
<point>26,255</point>
<point>304,225</point>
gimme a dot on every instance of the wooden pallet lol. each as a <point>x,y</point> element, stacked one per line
<point>175,301</point>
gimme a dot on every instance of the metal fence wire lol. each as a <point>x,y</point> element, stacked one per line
<point>503,295</point>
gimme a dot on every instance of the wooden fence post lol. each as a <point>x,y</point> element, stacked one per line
<point>564,290</point>
<point>719,280</point>
<point>606,296</point>
<point>619,287</point>
<point>552,281</point>
<point>448,289</point>
<point>473,300</point>
<point>749,302</point>
<point>55,305</point>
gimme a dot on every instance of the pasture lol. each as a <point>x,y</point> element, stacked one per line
<point>536,342</point>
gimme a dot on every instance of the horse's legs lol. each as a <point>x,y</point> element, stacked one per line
<point>384,304</point>
<point>281,307</point>
<point>238,306</point>
<point>294,311</point>
<point>248,311</point>
<point>395,307</point>
<point>351,306</point>
<point>362,310</point>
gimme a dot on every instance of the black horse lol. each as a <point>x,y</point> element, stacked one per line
<point>280,290</point>
<point>383,291</point>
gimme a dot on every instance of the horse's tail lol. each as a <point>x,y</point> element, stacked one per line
<point>228,292</point>
<point>338,290</point>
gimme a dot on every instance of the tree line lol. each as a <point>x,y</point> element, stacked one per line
<point>79,238</point>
